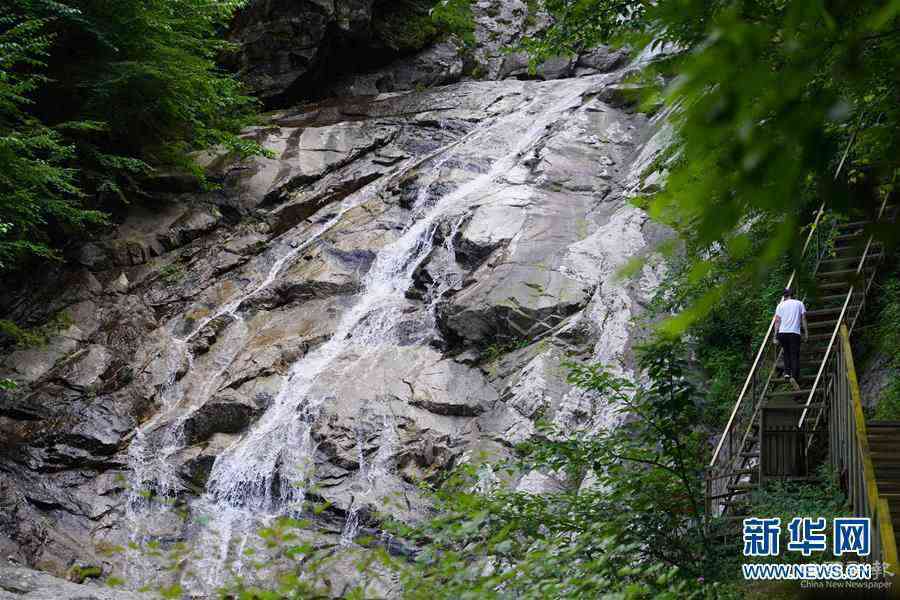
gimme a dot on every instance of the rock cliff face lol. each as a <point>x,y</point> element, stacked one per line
<point>310,49</point>
<point>391,293</point>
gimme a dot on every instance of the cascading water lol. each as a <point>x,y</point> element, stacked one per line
<point>369,472</point>
<point>267,471</point>
<point>152,473</point>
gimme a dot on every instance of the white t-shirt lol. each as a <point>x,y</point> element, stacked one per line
<point>791,312</point>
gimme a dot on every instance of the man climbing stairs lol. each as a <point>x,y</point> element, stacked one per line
<point>778,432</point>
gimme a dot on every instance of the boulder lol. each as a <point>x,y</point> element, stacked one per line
<point>287,49</point>
<point>222,414</point>
<point>438,65</point>
<point>19,583</point>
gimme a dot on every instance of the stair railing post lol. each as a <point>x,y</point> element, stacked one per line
<point>762,446</point>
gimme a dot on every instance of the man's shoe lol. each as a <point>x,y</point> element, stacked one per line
<point>794,383</point>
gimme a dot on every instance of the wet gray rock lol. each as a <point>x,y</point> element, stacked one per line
<point>440,64</point>
<point>601,60</point>
<point>95,257</point>
<point>18,583</point>
<point>83,370</point>
<point>281,41</point>
<point>189,226</point>
<point>302,156</point>
<point>875,378</point>
<point>557,67</point>
<point>223,414</point>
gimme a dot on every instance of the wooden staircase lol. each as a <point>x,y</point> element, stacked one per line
<point>848,261</point>
<point>778,432</point>
<point>884,444</point>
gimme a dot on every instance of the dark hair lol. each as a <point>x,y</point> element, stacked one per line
<point>788,293</point>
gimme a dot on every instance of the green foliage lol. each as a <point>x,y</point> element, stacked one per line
<point>455,16</point>
<point>822,498</point>
<point>12,335</point>
<point>498,349</point>
<point>154,62</point>
<point>93,96</point>
<point>725,339</point>
<point>406,25</point>
<point>579,24</point>
<point>81,573</point>
<point>887,341</point>
<point>7,384</point>
<point>172,273</point>
<point>628,521</point>
<point>36,186</point>
<point>767,98</point>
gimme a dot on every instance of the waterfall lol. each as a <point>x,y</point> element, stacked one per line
<point>268,470</point>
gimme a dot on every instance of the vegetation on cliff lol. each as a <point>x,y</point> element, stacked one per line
<point>94,96</point>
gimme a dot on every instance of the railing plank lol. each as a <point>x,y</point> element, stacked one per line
<point>869,503</point>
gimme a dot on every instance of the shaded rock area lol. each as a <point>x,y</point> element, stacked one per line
<point>287,48</point>
<point>391,293</point>
<point>314,49</point>
<point>17,583</point>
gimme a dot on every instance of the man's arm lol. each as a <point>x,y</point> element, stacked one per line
<point>776,328</point>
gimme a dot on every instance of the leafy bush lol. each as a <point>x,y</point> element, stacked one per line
<point>12,335</point>
<point>36,185</point>
<point>455,16</point>
<point>93,96</point>
<point>887,341</point>
<point>786,500</point>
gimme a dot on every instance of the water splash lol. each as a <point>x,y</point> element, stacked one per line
<point>269,469</point>
<point>247,472</point>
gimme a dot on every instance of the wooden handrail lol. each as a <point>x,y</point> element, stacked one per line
<point>878,505</point>
<point>840,321</point>
<point>762,347</point>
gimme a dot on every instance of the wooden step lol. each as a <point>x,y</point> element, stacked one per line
<point>838,297</point>
<point>825,312</point>
<point>819,337</point>
<point>883,434</point>
<point>843,273</point>
<point>891,440</point>
<point>794,406</point>
<point>822,324</point>
<point>791,393</point>
<point>885,457</point>
<point>852,260</point>
<point>857,249</point>
<point>847,237</point>
<point>888,470</point>
<point>835,286</point>
<point>853,225</point>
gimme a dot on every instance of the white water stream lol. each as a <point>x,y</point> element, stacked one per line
<point>268,470</point>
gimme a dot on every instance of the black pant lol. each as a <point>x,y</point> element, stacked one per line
<point>790,348</point>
